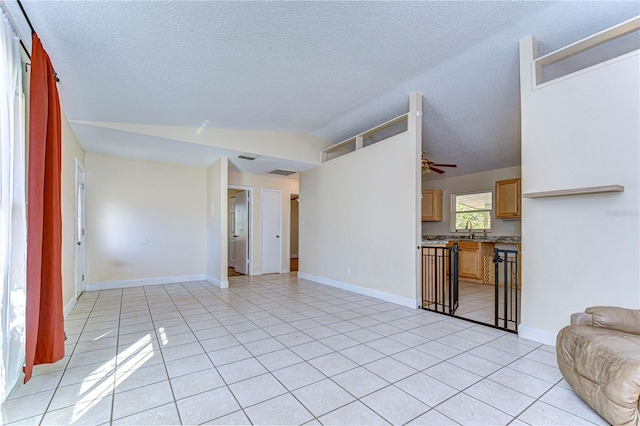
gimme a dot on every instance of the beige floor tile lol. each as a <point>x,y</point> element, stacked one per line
<point>521,382</point>
<point>541,413</point>
<point>197,382</point>
<point>537,369</point>
<point>241,370</point>
<point>387,346</point>
<point>138,375</point>
<point>257,389</point>
<point>36,384</point>
<point>469,411</point>
<point>359,382</point>
<point>416,359</point>
<point>204,407</point>
<point>235,418</point>
<point>141,399</point>
<point>279,359</point>
<point>321,397</point>
<point>25,407</point>
<point>229,355</point>
<point>452,375</point>
<point>188,365</point>
<point>282,410</point>
<point>426,389</point>
<point>394,405</point>
<point>390,369</point>
<point>294,339</point>
<point>264,346</point>
<point>568,400</point>
<point>298,375</point>
<point>355,413</point>
<point>499,396</point>
<point>182,351</point>
<point>80,394</point>
<point>311,350</point>
<point>362,354</point>
<point>93,412</point>
<point>432,418</point>
<point>332,364</point>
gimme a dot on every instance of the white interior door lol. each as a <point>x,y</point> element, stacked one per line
<point>81,216</point>
<point>241,235</point>
<point>271,225</point>
<point>232,232</point>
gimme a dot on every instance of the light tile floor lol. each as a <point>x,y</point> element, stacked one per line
<point>278,350</point>
<point>477,302</point>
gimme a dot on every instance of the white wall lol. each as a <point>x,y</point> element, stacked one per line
<point>579,131</point>
<point>359,218</point>
<point>257,182</point>
<point>470,183</point>
<point>71,150</point>
<point>144,220</point>
<point>217,246</point>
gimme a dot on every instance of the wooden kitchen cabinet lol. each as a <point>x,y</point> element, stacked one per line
<point>432,205</point>
<point>508,199</point>
<point>471,259</point>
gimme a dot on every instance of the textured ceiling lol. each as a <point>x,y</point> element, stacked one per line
<point>331,69</point>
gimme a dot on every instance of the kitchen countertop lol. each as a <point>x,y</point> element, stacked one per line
<point>443,239</point>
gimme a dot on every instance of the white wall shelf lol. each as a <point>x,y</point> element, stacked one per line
<point>575,191</point>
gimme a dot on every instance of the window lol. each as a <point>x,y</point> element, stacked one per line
<point>472,211</point>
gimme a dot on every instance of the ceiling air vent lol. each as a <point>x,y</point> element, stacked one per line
<point>281,172</point>
<point>246,157</point>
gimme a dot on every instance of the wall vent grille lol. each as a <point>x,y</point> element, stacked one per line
<point>246,157</point>
<point>281,172</point>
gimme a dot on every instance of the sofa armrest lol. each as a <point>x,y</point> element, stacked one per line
<point>613,318</point>
<point>582,318</point>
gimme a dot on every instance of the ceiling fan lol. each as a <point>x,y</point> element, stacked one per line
<point>430,166</point>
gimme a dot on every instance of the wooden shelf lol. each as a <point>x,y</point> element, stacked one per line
<point>575,191</point>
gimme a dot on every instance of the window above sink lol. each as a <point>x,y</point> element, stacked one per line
<point>471,211</point>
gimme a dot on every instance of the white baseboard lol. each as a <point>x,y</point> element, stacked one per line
<point>217,282</point>
<point>545,337</point>
<point>382,295</point>
<point>69,306</point>
<point>108,285</point>
<point>294,256</point>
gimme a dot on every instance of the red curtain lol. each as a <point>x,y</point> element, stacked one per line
<point>44,312</point>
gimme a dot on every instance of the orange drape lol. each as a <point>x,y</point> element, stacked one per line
<point>44,314</point>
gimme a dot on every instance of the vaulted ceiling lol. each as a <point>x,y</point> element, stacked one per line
<point>327,69</point>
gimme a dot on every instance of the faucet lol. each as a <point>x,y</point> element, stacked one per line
<point>469,227</point>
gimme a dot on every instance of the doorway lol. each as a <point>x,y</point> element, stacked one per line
<point>239,244</point>
<point>81,217</point>
<point>294,201</point>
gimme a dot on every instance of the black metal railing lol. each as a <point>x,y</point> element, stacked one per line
<point>440,292</point>
<point>507,288</point>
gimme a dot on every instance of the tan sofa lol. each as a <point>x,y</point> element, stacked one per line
<point>599,356</point>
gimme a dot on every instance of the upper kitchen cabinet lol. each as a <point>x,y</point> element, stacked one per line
<point>508,196</point>
<point>432,205</point>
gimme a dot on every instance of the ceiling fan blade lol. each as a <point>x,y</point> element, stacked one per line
<point>444,165</point>
<point>433,169</point>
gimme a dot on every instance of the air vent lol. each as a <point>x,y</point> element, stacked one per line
<point>246,157</point>
<point>281,172</point>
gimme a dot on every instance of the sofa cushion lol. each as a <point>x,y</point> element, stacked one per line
<point>603,367</point>
<point>614,318</point>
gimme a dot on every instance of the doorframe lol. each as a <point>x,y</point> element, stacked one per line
<point>263,191</point>
<point>80,178</point>
<point>291,193</point>
<point>249,224</point>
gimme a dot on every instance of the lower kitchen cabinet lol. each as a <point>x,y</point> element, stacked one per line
<point>471,259</point>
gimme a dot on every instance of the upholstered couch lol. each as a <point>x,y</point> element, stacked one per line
<point>599,356</point>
